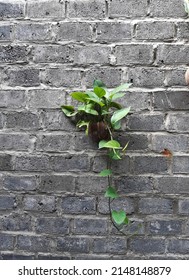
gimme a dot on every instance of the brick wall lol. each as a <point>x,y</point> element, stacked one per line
<point>51,198</point>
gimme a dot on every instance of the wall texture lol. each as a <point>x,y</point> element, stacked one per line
<point>51,198</point>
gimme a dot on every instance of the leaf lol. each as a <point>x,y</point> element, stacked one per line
<point>111,193</point>
<point>105,172</point>
<point>119,216</point>
<point>126,221</point>
<point>120,88</point>
<point>119,114</point>
<point>115,105</point>
<point>83,123</point>
<point>117,95</point>
<point>114,154</point>
<point>100,92</point>
<point>87,109</point>
<point>79,96</point>
<point>112,144</point>
<point>98,83</point>
<point>69,111</point>
<point>117,125</point>
<point>96,101</point>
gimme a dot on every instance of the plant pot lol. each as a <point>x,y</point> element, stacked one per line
<point>98,131</point>
<point>187,76</point>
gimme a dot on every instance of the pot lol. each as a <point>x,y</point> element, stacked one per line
<point>98,131</point>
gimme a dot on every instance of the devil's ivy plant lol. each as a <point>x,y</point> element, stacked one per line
<point>100,113</point>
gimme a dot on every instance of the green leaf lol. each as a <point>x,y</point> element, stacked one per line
<point>119,216</point>
<point>117,125</point>
<point>83,123</point>
<point>98,83</point>
<point>105,172</point>
<point>115,105</point>
<point>100,92</point>
<point>114,154</point>
<point>87,109</point>
<point>126,221</point>
<point>69,111</point>
<point>111,193</point>
<point>120,88</point>
<point>119,114</point>
<point>79,96</point>
<point>118,95</point>
<point>112,144</point>
<point>95,100</point>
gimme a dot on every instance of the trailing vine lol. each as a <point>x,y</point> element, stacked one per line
<point>101,115</point>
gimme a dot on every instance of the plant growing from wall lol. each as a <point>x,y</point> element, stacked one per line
<point>100,114</point>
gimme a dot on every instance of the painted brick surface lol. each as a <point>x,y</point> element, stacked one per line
<point>51,197</point>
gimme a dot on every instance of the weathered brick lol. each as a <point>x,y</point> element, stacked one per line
<point>19,183</point>
<point>134,54</point>
<point>165,227</point>
<point>180,246</point>
<point>13,54</point>
<point>78,205</point>
<point>22,120</point>
<point>47,98</point>
<point>144,245</point>
<point>1,121</point>
<point>92,55</point>
<point>40,203</point>
<point>137,100</point>
<point>73,244</point>
<point>100,163</point>
<point>128,9</point>
<point>113,31</point>
<point>53,143</point>
<point>46,9</point>
<point>166,9</point>
<point>155,30</point>
<point>6,242</point>
<point>52,54</point>
<point>110,245</point>
<point>137,142</point>
<point>17,257</point>
<point>182,30</point>
<point>12,99</point>
<point>134,227</point>
<point>52,225</point>
<point>60,77</point>
<point>91,184</point>
<point>12,9</point>
<point>32,32</point>
<point>26,77</point>
<point>134,184</point>
<point>174,143</point>
<point>7,202</point>
<point>175,77</point>
<point>52,257</point>
<point>32,163</point>
<point>177,122</point>
<point>173,185</point>
<point>73,31</point>
<point>90,226</point>
<point>15,222</point>
<point>183,206</point>
<point>87,9</point>
<point>155,206</point>
<point>70,162</point>
<point>56,120</point>
<point>146,122</point>
<point>149,164</point>
<point>6,32</point>
<point>172,54</point>
<point>14,142</point>
<point>57,183</point>
<point>33,243</point>
<point>121,203</point>
<point>82,142</point>
<point>180,164</point>
<point>5,162</point>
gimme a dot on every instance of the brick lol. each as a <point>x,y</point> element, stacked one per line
<point>11,9</point>
<point>52,54</point>
<point>17,257</point>
<point>48,98</point>
<point>27,77</point>
<point>134,184</point>
<point>57,183</point>
<point>82,142</point>
<point>32,163</point>
<point>110,76</point>
<point>87,9</point>
<point>14,142</point>
<point>20,183</point>
<point>113,32</point>
<point>146,77</point>
<point>13,54</point>
<point>73,245</point>
<point>155,30</point>
<point>110,245</point>
<point>173,8</point>
<point>122,167</point>
<point>128,9</point>
<point>1,121</point>
<point>73,31</point>
<point>180,164</point>
<point>46,9</point>
<point>56,120</point>
<point>12,99</point>
<point>6,32</point>
<point>145,246</point>
<point>171,100</point>
<point>174,143</point>
<point>52,257</point>
<point>183,206</point>
<point>91,184</point>
<point>53,143</point>
<point>32,32</point>
<point>182,30</point>
<point>33,243</point>
<point>134,54</point>
<point>173,185</point>
<point>70,162</point>
<point>178,246</point>
<point>138,101</point>
<point>92,55</point>
<point>121,203</point>
<point>149,164</point>
<point>137,142</point>
<point>16,222</point>
<point>146,122</point>
<point>172,54</point>
<point>78,205</point>
<point>177,122</point>
<point>175,77</point>
<point>40,203</point>
<point>90,226</point>
<point>155,206</point>
<point>5,162</point>
<point>22,120</point>
<point>164,227</point>
<point>7,202</point>
<point>52,226</point>
<point>6,242</point>
<point>60,77</point>
<point>133,228</point>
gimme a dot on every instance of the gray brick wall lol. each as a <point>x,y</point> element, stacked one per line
<point>51,198</point>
